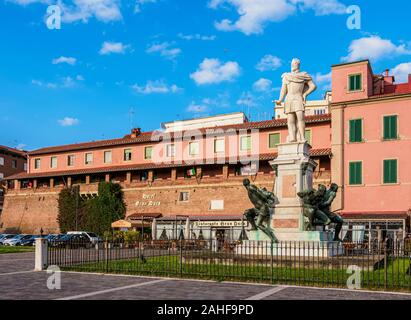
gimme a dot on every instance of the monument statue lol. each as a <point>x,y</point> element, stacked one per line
<point>296,87</point>
<point>259,216</point>
<point>316,204</point>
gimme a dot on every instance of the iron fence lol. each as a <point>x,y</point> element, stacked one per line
<point>384,265</point>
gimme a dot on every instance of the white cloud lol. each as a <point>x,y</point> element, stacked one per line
<point>64,82</point>
<point>262,85</point>
<point>157,86</point>
<point>140,3</point>
<point>374,48</point>
<point>197,108</point>
<point>213,71</point>
<point>196,36</point>
<point>269,63</point>
<point>401,72</point>
<point>324,80</point>
<point>113,47</point>
<point>165,49</point>
<point>49,85</point>
<point>68,122</point>
<point>247,99</point>
<point>254,15</point>
<point>21,146</point>
<point>27,2</point>
<point>69,60</point>
<point>83,10</point>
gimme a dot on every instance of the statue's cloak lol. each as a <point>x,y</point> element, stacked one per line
<point>298,77</point>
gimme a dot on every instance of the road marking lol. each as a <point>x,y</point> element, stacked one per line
<point>267,293</point>
<point>17,272</point>
<point>111,290</point>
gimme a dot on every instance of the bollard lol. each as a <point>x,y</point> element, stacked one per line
<point>41,252</point>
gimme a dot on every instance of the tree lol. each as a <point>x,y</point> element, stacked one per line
<point>94,215</point>
<point>69,204</point>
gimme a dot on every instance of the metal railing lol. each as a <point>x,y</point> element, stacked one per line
<point>354,265</point>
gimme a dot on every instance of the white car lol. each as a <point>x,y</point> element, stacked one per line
<point>90,235</point>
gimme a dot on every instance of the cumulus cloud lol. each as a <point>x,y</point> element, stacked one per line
<point>113,47</point>
<point>268,63</point>
<point>256,14</point>
<point>69,60</point>
<point>262,85</point>
<point>401,72</point>
<point>68,122</point>
<point>165,49</point>
<point>84,10</point>
<point>212,71</point>
<point>196,36</point>
<point>247,99</point>
<point>157,86</point>
<point>374,48</point>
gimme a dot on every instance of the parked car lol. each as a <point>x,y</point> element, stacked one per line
<point>16,240</point>
<point>72,241</point>
<point>5,237</point>
<point>90,235</point>
<point>29,241</point>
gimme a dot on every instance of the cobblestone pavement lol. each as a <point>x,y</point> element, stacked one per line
<point>19,281</point>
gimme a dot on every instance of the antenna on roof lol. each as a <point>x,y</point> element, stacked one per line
<point>131,117</point>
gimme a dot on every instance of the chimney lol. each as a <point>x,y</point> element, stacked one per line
<point>135,132</point>
<point>387,72</point>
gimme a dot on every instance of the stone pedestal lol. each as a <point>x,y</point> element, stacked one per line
<point>294,171</point>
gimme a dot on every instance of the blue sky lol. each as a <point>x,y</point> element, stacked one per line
<point>173,59</point>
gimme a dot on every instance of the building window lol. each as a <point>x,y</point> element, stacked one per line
<point>1,161</point>
<point>308,136</point>
<point>37,163</point>
<point>127,154</point>
<point>355,82</point>
<point>53,162</point>
<point>219,146</point>
<point>390,171</point>
<point>70,160</point>
<point>88,159</point>
<point>14,164</point>
<point>25,166</point>
<point>184,196</point>
<point>194,148</point>
<point>144,176</point>
<point>355,173</point>
<point>107,156</point>
<point>1,176</point>
<point>355,130</point>
<point>217,205</point>
<point>171,150</point>
<point>245,143</point>
<point>390,127</point>
<point>148,153</point>
<point>273,140</point>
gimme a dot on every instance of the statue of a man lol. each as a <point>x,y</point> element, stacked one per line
<point>296,87</point>
<point>259,216</point>
<point>325,206</point>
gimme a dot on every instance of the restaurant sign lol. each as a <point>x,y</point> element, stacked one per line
<point>228,223</point>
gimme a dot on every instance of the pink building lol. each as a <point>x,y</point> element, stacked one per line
<point>371,144</point>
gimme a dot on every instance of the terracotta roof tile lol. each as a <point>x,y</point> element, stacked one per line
<point>147,136</point>
<point>148,166</point>
<point>21,153</point>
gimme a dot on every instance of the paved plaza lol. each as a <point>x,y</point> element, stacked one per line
<point>19,281</point>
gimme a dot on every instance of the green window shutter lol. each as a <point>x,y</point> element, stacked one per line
<point>274,140</point>
<point>355,130</point>
<point>355,173</point>
<point>355,82</point>
<point>390,127</point>
<point>307,135</point>
<point>245,143</point>
<point>148,152</point>
<point>390,171</point>
<point>352,83</point>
